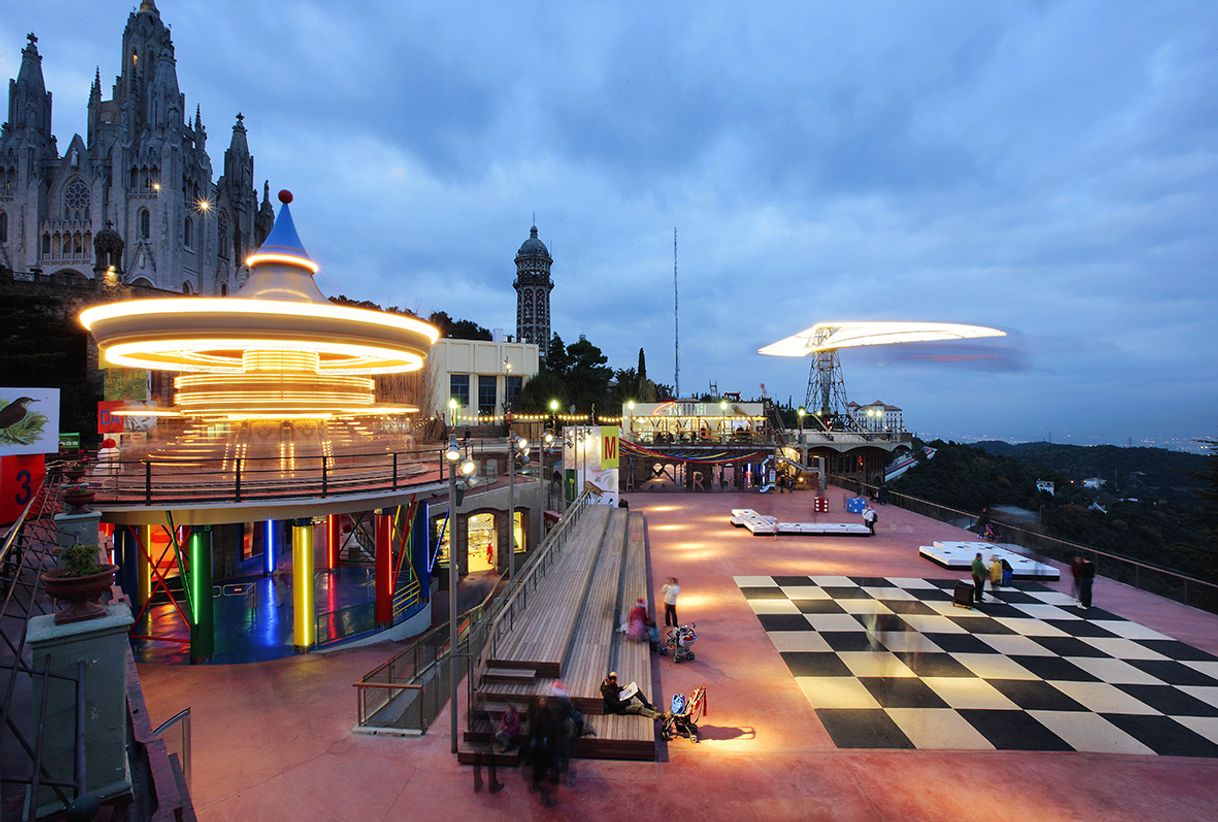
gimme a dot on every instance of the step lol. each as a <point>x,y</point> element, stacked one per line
<point>542,669</point>
<point>588,747</point>
<point>522,676</point>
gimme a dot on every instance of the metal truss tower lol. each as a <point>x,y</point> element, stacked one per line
<point>826,395</point>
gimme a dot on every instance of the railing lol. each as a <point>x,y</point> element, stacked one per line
<point>165,479</point>
<point>1149,577</point>
<point>405,694</point>
<point>181,721</point>
<point>344,623</point>
<point>26,552</point>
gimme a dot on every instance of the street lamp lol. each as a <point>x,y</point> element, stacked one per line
<point>452,454</point>
<point>801,413</point>
<point>547,441</point>
<point>515,447</point>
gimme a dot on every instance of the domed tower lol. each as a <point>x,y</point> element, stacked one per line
<point>533,286</point>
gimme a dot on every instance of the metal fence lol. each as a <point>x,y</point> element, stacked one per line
<point>1153,578</point>
<point>405,694</point>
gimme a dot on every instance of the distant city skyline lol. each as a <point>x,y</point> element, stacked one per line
<point>1046,168</point>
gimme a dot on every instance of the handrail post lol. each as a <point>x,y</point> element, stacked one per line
<point>395,470</point>
<point>148,482</point>
<point>325,474</point>
<point>237,483</point>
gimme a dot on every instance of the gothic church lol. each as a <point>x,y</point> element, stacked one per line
<point>134,202</point>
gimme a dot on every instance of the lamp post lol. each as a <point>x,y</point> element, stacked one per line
<point>452,454</point>
<point>801,413</point>
<point>514,447</point>
<point>546,441</point>
<point>723,419</point>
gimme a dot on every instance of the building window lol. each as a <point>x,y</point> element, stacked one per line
<point>486,394</point>
<point>3,227</point>
<point>188,233</point>
<point>483,542</point>
<point>458,389</point>
<point>145,220</point>
<point>518,529</point>
<point>440,538</point>
<point>76,201</point>
<point>223,233</point>
<point>46,245</point>
<point>515,384</point>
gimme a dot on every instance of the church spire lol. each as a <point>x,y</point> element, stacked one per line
<point>29,102</point>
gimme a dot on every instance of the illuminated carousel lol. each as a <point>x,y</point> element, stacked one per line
<point>278,455</point>
<point>275,376</point>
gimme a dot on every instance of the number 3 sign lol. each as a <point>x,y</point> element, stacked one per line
<point>20,477</point>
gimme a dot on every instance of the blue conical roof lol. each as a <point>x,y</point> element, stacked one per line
<point>283,238</point>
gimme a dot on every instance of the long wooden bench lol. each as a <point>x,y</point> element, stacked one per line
<point>539,643</point>
<point>616,575</point>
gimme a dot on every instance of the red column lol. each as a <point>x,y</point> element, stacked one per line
<point>333,539</point>
<point>384,569</point>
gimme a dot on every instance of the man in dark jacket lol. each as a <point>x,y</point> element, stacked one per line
<point>1086,578</point>
<point>614,704</point>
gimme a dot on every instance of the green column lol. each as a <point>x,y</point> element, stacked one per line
<point>203,624</point>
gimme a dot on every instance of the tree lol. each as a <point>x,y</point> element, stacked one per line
<point>536,395</point>
<point>588,377</point>
<point>458,329</point>
<point>557,361</point>
<point>642,369</point>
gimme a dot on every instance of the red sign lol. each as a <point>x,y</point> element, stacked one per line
<point>20,477</point>
<point>107,423</point>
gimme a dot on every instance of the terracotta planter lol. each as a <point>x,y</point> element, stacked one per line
<point>78,498</point>
<point>82,595</point>
<point>74,473</point>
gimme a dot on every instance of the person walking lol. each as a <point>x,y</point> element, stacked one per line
<point>995,574</point>
<point>1086,578</point>
<point>979,576</point>
<point>1075,564</point>
<point>671,590</point>
<point>869,518</point>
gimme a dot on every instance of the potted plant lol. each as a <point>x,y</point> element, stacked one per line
<point>79,582</point>
<point>77,495</point>
<point>74,470</point>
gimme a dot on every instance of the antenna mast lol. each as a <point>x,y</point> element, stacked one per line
<point>676,321</point>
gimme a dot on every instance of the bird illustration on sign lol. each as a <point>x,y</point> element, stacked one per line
<point>19,425</point>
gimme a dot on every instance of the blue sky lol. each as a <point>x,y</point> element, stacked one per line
<point>1047,167</point>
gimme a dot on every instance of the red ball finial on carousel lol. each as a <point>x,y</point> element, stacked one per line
<point>285,196</point>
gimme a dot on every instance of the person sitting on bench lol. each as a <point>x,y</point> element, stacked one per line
<point>625,701</point>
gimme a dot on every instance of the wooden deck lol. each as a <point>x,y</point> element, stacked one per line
<point>571,632</point>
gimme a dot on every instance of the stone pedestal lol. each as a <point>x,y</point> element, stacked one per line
<point>102,645</point>
<point>78,528</point>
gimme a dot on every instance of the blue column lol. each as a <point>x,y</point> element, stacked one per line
<point>126,557</point>
<point>420,540</point>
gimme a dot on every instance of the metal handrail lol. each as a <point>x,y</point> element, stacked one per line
<point>1067,546</point>
<point>182,718</point>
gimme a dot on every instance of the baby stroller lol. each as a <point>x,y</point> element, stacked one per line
<point>678,642</point>
<point>682,719</point>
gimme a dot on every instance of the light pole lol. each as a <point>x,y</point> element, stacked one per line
<point>723,419</point>
<point>514,446</point>
<point>546,441</point>
<point>453,455</point>
<point>801,413</point>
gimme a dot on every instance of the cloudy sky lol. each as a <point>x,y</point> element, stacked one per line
<point>1047,167</point>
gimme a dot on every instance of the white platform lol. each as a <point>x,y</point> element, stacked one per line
<point>765,525</point>
<point>959,556</point>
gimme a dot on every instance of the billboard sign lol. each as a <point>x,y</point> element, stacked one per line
<point>29,421</point>
<point>107,422</point>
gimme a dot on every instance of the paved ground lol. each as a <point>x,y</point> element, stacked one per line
<point>273,741</point>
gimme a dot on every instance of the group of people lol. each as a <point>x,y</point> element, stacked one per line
<point>1083,572</point>
<point>639,624</point>
<point>549,727</point>
<point>999,573</point>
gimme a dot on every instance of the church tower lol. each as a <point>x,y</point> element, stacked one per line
<point>533,286</point>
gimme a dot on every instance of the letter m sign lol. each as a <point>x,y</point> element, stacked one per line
<point>609,455</point>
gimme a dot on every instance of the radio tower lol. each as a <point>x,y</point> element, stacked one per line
<point>676,322</point>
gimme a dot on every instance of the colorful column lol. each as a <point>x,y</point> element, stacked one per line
<point>334,540</point>
<point>304,607</point>
<point>202,626</point>
<point>270,557</point>
<point>126,557</point>
<point>385,582</point>
<point>143,565</point>
<point>419,546</point>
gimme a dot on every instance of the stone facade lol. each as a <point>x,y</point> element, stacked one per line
<point>533,286</point>
<point>134,201</point>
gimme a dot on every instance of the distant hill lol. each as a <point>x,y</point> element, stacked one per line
<point>1171,524</point>
<point>1123,468</point>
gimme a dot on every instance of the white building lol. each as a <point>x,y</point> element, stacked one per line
<point>482,376</point>
<point>877,417</point>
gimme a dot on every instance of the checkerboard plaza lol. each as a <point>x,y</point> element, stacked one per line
<point>890,662</point>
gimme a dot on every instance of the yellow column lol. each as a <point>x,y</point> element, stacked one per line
<point>143,566</point>
<point>303,605</point>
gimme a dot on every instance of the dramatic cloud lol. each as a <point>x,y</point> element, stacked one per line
<point>1048,168</point>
